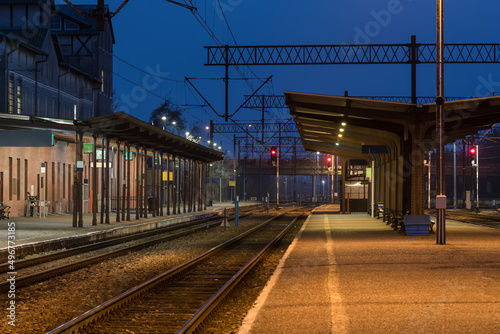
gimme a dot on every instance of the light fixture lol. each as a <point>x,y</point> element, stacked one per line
<point>340,135</point>
<point>163,118</point>
<point>341,130</point>
<point>317,153</point>
<point>207,127</point>
<point>173,123</point>
<point>344,123</point>
<point>336,144</point>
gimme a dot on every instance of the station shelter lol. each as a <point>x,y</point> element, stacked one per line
<point>110,163</point>
<point>386,140</point>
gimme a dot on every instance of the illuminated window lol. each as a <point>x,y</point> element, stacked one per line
<point>11,95</point>
<point>102,81</point>
<point>19,98</point>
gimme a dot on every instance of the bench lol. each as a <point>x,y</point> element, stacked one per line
<point>379,210</point>
<point>417,224</point>
<point>396,220</point>
<point>4,211</point>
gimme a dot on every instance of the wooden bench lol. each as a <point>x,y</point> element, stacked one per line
<point>417,224</point>
<point>4,211</point>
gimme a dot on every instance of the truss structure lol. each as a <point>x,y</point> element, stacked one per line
<point>351,54</point>
<point>278,101</point>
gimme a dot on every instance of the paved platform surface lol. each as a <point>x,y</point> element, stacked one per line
<point>353,274</point>
<point>34,230</point>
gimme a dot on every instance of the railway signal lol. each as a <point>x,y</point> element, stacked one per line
<point>473,155</point>
<point>329,161</point>
<point>274,155</point>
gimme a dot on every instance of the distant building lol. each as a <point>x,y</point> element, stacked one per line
<point>54,61</point>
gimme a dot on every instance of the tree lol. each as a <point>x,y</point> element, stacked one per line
<point>194,133</point>
<point>168,116</point>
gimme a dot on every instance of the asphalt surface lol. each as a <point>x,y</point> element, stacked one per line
<point>353,274</point>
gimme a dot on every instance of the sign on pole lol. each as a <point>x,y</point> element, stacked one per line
<point>79,166</point>
<point>88,148</point>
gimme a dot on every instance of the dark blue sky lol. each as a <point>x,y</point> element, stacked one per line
<point>165,37</point>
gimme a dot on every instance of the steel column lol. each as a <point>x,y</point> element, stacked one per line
<point>94,182</point>
<point>107,181</point>
<point>128,181</point>
<point>145,190</point>
<point>118,180</point>
<point>137,183</point>
<point>161,187</point>
<point>168,184</point>
<point>103,185</point>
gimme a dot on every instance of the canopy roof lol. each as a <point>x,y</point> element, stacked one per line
<point>120,127</point>
<point>320,119</point>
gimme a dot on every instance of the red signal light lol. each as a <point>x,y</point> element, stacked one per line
<point>472,150</point>
<point>274,154</point>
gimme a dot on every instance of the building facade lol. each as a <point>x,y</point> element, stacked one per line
<point>55,62</point>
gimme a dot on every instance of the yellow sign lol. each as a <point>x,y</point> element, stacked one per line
<point>232,183</point>
<point>167,176</point>
<point>369,172</point>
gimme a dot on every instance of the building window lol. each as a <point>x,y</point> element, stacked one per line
<point>70,25</point>
<point>19,98</point>
<point>55,23</point>
<point>11,95</point>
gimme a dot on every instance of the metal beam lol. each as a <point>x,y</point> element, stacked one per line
<point>278,101</point>
<point>254,127</point>
<point>458,53</point>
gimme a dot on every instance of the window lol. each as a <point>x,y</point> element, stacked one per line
<point>55,23</point>
<point>11,95</point>
<point>102,81</point>
<point>70,25</point>
<point>19,98</point>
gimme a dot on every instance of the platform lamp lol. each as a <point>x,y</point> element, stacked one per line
<point>441,197</point>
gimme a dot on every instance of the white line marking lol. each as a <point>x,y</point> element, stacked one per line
<point>340,319</point>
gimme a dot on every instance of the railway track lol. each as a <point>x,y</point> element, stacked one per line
<point>168,233</point>
<point>475,218</point>
<point>179,299</point>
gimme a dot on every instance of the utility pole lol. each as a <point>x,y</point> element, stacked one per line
<point>441,197</point>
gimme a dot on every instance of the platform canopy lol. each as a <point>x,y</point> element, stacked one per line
<point>349,126</point>
<point>117,126</point>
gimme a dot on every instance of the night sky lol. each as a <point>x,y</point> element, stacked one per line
<point>165,37</point>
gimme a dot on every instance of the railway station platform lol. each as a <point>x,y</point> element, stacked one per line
<point>354,274</point>
<point>34,234</point>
